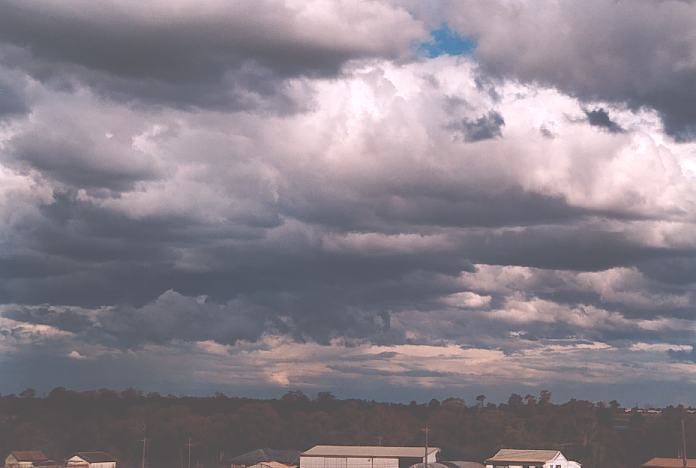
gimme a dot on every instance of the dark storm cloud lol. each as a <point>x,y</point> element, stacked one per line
<point>220,56</point>
<point>483,128</point>
<point>678,271</point>
<point>566,247</point>
<point>600,118</point>
<point>635,52</point>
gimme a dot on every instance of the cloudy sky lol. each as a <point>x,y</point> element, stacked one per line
<point>387,200</point>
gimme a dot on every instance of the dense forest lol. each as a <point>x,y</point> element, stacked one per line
<point>219,427</point>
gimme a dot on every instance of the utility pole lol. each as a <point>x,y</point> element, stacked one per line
<point>425,459</point>
<point>144,441</point>
<point>189,452</point>
<point>684,462</point>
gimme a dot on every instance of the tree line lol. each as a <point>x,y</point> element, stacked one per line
<point>597,434</point>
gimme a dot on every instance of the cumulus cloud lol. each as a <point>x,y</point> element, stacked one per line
<point>637,53</point>
<point>175,183</point>
<point>214,55</point>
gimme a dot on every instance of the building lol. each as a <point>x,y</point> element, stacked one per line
<point>91,460</point>
<point>363,456</point>
<point>669,463</point>
<point>515,458</point>
<point>266,458</point>
<point>29,459</point>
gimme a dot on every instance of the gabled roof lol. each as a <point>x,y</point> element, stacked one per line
<point>287,457</point>
<point>374,451</point>
<point>96,457</point>
<point>517,455</point>
<point>669,463</point>
<point>29,455</point>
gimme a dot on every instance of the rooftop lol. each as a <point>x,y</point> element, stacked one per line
<point>29,455</point>
<point>374,451</point>
<point>518,455</point>
<point>669,463</point>
<point>96,457</point>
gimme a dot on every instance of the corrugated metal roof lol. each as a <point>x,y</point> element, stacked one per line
<point>96,457</point>
<point>29,455</point>
<point>517,455</point>
<point>669,463</point>
<point>376,451</point>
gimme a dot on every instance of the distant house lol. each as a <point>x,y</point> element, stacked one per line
<point>91,460</point>
<point>669,463</point>
<point>365,456</point>
<point>515,458</point>
<point>29,459</point>
<point>266,458</point>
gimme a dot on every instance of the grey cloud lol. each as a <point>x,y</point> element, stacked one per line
<point>231,56</point>
<point>384,373</point>
<point>11,102</point>
<point>638,52</point>
<point>77,160</point>
<point>486,127</point>
<point>684,356</point>
<point>600,118</point>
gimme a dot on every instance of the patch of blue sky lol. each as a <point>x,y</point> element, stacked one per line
<point>444,41</point>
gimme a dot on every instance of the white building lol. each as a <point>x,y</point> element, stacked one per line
<point>514,458</point>
<point>91,460</point>
<point>361,456</point>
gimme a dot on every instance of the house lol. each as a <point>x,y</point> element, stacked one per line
<point>365,456</point>
<point>29,459</point>
<point>266,458</point>
<point>669,463</point>
<point>91,460</point>
<point>516,458</point>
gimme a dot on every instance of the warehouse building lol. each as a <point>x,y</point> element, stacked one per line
<point>362,456</point>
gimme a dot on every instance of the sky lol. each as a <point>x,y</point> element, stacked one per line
<point>386,200</point>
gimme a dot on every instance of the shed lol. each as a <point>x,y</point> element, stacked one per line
<point>96,459</point>
<point>365,456</point>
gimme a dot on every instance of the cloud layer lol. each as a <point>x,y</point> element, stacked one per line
<point>291,196</point>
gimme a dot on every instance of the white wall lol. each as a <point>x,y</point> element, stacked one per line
<point>349,462</point>
<point>560,460</point>
<point>103,465</point>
